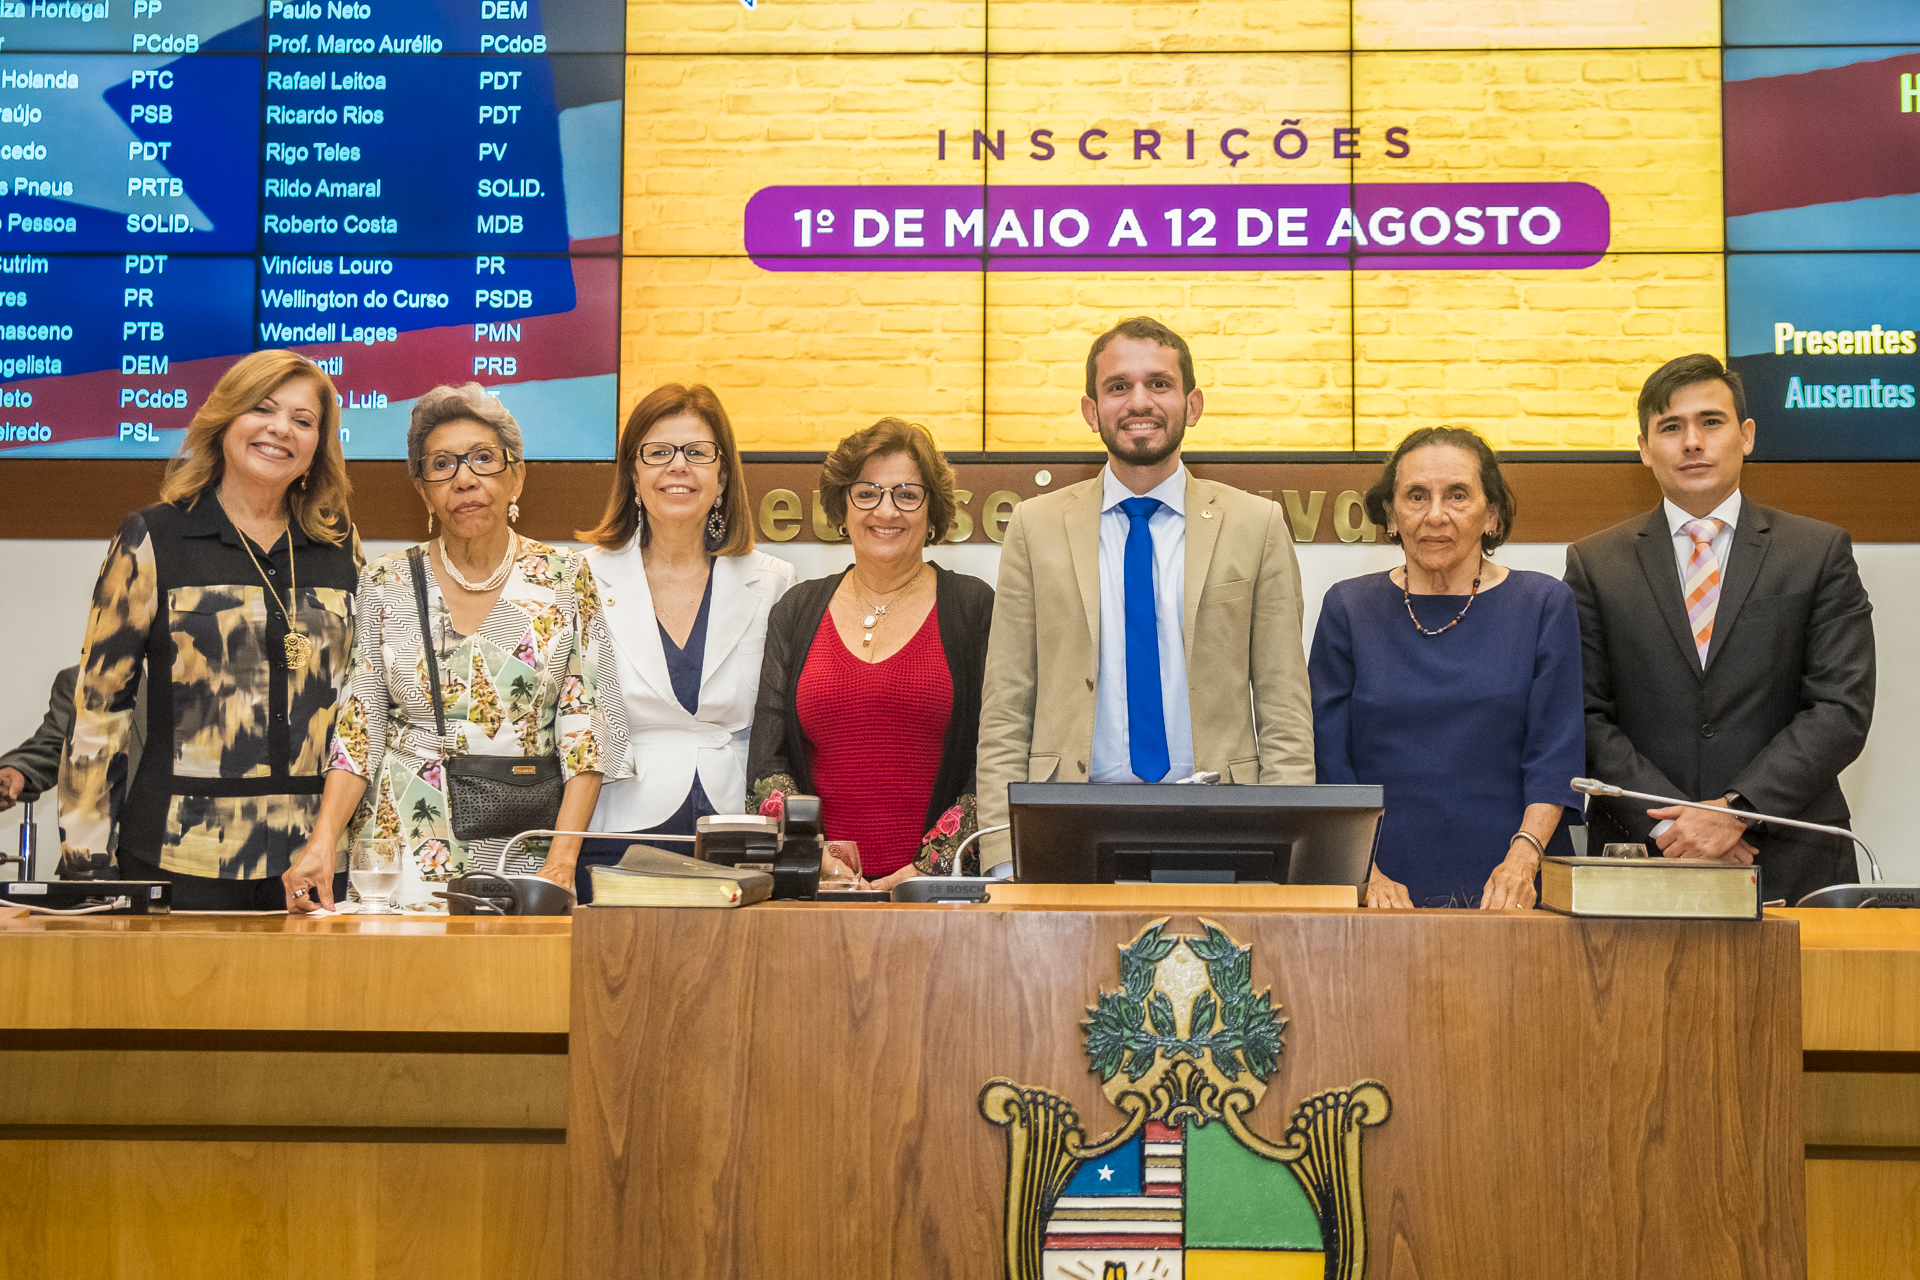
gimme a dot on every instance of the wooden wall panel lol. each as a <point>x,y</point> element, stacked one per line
<point>1559,501</point>
<point>1863,1220</point>
<point>272,973</point>
<point>779,1091</point>
<point>131,1210</point>
<point>1860,979</point>
<point>215,1087</point>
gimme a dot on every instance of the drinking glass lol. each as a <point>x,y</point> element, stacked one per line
<point>374,868</point>
<point>848,854</point>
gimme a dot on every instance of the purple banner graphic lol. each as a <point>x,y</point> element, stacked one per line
<point>1251,227</point>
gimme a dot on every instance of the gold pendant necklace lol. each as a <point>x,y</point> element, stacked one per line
<point>876,614</point>
<point>299,649</point>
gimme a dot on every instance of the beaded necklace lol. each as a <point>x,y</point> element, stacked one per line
<point>1407,597</point>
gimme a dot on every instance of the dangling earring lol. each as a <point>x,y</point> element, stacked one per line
<point>716,525</point>
<point>303,484</point>
<point>513,510</point>
<point>429,522</point>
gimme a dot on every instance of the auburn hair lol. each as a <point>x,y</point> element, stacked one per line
<point>623,518</point>
<point>318,500</point>
<point>889,436</point>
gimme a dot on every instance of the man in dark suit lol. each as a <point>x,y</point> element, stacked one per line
<point>1727,650</point>
<point>32,769</point>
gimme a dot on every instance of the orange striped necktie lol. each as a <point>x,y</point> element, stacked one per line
<point>1701,583</point>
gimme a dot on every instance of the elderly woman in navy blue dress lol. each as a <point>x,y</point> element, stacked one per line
<point>1454,682</point>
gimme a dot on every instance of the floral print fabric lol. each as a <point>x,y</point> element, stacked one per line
<point>528,682</point>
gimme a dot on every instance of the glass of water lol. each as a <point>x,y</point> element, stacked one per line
<point>374,868</point>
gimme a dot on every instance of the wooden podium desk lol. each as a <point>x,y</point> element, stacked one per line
<point>795,1091</point>
<point>1860,997</point>
<point>231,1096</point>
<point>260,1096</point>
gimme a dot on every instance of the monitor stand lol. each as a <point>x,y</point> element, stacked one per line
<point>1183,875</point>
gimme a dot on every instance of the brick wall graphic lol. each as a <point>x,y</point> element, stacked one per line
<point>723,102</point>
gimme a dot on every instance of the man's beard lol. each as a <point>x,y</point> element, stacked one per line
<point>1140,453</point>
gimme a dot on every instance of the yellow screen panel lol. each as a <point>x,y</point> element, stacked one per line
<point>1166,26</point>
<point>806,26</point>
<point>802,359</point>
<point>1270,352</point>
<point>1101,102</point>
<point>1534,24</point>
<point>1530,359</point>
<point>1643,126</point>
<point>1145,106</point>
<point>703,133</point>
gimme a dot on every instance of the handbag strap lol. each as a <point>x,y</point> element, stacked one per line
<point>416,563</point>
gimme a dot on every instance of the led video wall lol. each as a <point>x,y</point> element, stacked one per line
<point>1365,215</point>
<point>409,192</point>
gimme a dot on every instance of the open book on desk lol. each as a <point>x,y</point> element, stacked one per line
<point>649,877</point>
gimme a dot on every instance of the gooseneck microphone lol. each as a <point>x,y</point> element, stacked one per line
<point>1838,895</point>
<point>1595,787</point>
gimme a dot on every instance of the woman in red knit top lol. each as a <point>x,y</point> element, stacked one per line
<point>870,688</point>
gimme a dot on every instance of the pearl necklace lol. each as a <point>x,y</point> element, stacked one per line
<point>499,575</point>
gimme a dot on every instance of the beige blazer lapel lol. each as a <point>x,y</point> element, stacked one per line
<point>1204,518</point>
<point>1083,542</point>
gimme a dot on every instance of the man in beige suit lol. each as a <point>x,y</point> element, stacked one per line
<point>1146,624</point>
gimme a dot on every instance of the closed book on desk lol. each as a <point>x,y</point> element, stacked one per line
<point>1650,888</point>
<point>649,877</point>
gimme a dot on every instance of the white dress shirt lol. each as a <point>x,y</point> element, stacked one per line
<point>669,743</point>
<point>1112,758</point>
<point>1728,513</point>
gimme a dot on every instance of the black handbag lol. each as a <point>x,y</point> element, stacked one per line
<point>488,797</point>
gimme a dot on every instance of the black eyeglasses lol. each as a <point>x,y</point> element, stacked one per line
<point>485,460</point>
<point>700,453</point>
<point>906,497</point>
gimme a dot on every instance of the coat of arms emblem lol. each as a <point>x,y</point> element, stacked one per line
<point>1182,1189</point>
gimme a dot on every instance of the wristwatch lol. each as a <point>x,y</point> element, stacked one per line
<point>1737,801</point>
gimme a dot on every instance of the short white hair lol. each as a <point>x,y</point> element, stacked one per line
<point>470,403</point>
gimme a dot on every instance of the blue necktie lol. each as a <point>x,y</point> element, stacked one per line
<point>1146,714</point>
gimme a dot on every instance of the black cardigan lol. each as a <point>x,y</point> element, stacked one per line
<point>779,746</point>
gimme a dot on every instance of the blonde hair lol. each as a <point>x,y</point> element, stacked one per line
<point>318,500</point>
<point>624,517</point>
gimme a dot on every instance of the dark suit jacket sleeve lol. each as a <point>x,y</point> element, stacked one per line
<point>767,744</point>
<point>1610,756</point>
<point>38,758</point>
<point>1836,694</point>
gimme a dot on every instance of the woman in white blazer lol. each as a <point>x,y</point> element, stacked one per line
<point>686,598</point>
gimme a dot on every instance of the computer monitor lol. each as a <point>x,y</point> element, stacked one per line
<point>1093,833</point>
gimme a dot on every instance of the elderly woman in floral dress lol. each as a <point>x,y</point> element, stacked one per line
<point>517,633</point>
